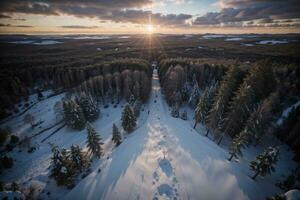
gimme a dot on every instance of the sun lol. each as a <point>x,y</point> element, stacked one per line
<point>150,28</point>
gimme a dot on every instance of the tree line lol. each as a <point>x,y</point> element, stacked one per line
<point>239,101</point>
<point>18,84</point>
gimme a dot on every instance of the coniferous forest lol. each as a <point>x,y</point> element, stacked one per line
<point>170,120</point>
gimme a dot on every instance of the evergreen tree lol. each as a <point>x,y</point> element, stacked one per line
<point>131,100</point>
<point>94,141</point>
<point>261,118</point>
<point>257,85</point>
<point>228,86</point>
<point>184,115</point>
<point>116,135</point>
<point>195,92</point>
<point>62,169</point>
<point>89,107</point>
<point>79,158</point>
<point>128,119</point>
<point>202,108</point>
<point>137,107</point>
<point>264,163</point>
<point>73,114</point>
<point>237,144</point>
<point>175,111</point>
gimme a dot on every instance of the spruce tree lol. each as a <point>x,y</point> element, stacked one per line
<point>131,100</point>
<point>62,169</point>
<point>137,107</point>
<point>94,141</point>
<point>259,83</point>
<point>195,92</point>
<point>89,107</point>
<point>79,158</point>
<point>261,118</point>
<point>264,162</point>
<point>128,119</point>
<point>237,144</point>
<point>117,138</point>
<point>204,104</point>
<point>175,111</point>
<point>73,114</point>
<point>228,86</point>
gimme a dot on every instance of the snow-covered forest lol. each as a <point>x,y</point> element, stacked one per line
<point>150,127</point>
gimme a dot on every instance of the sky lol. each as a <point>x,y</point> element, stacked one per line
<point>136,16</point>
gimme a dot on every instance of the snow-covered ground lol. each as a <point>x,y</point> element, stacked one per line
<point>43,42</point>
<point>234,39</point>
<point>164,158</point>
<point>272,42</point>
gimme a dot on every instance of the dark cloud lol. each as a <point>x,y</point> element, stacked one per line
<point>4,25</point>
<point>112,10</point>
<point>265,11</point>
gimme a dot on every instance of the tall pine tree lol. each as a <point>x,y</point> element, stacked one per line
<point>94,141</point>
<point>117,138</point>
<point>261,118</point>
<point>79,158</point>
<point>228,86</point>
<point>257,85</point>
<point>73,115</point>
<point>237,144</point>
<point>89,107</point>
<point>62,169</point>
<point>204,104</point>
<point>128,119</point>
<point>264,162</point>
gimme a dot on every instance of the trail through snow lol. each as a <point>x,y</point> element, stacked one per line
<point>166,159</point>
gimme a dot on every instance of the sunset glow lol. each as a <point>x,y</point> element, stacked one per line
<point>171,16</point>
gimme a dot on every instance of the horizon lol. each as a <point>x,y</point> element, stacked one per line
<point>135,17</point>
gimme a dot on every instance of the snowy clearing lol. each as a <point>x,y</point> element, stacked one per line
<point>272,42</point>
<point>166,159</point>
<point>234,39</point>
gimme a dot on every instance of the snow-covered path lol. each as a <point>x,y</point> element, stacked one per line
<point>166,159</point>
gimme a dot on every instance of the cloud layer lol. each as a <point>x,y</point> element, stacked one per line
<point>232,12</point>
<point>252,13</point>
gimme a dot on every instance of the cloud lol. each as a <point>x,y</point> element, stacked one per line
<point>79,27</point>
<point>18,26</point>
<point>264,11</point>
<point>124,11</point>
<point>2,16</point>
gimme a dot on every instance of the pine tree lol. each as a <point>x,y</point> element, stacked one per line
<point>257,85</point>
<point>131,100</point>
<point>89,107</point>
<point>239,110</point>
<point>264,162</point>
<point>175,111</point>
<point>261,118</point>
<point>237,144</point>
<point>73,114</point>
<point>62,169</point>
<point>228,86</point>
<point>128,119</point>
<point>79,158</point>
<point>94,141</point>
<point>202,108</point>
<point>195,92</point>
<point>116,135</point>
<point>184,115</point>
<point>137,107</point>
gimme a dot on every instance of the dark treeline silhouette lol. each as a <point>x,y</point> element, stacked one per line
<point>17,83</point>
